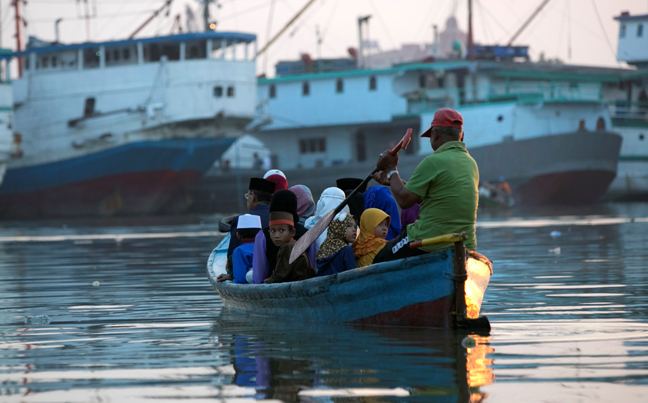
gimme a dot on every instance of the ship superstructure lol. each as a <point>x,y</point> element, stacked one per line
<point>122,127</point>
<point>544,128</point>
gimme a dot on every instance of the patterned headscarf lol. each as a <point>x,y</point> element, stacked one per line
<point>329,200</point>
<point>335,238</point>
<point>367,246</point>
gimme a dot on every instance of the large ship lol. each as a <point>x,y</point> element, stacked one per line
<point>543,128</point>
<point>629,109</point>
<point>123,127</point>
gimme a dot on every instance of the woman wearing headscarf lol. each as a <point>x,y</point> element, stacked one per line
<point>331,198</point>
<point>374,224</point>
<point>336,253</point>
<point>380,197</point>
<point>305,202</point>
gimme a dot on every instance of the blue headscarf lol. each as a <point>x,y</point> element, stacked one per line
<point>380,197</point>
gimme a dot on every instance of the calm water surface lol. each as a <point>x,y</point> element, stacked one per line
<point>98,312</point>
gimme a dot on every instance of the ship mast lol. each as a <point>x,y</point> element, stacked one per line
<point>469,44</point>
<point>166,5</point>
<point>527,22</point>
<point>285,27</point>
<point>18,19</point>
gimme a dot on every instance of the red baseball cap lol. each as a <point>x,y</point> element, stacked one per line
<point>444,117</point>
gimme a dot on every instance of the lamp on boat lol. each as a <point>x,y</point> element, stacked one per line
<point>479,274</point>
<point>478,269</point>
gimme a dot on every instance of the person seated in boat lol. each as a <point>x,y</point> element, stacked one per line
<point>409,215</point>
<point>445,183</point>
<point>246,229</point>
<point>277,177</point>
<point>264,259</point>
<point>331,198</point>
<point>336,253</point>
<point>356,203</point>
<point>374,225</point>
<point>282,233</point>
<point>257,201</point>
<point>380,197</point>
<point>305,202</point>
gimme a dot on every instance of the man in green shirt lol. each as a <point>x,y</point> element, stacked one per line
<point>445,184</point>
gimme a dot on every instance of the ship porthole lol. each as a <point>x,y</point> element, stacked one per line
<point>500,118</point>
<point>641,136</point>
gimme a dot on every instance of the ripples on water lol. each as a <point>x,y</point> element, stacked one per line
<point>125,313</point>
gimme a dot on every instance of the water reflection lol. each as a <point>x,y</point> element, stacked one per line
<point>343,361</point>
<point>132,318</point>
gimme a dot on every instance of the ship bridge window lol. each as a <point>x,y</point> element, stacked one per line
<point>339,86</point>
<point>91,58</point>
<point>153,52</point>
<point>622,31</point>
<point>272,91</point>
<point>196,50</point>
<point>120,56</point>
<point>218,91</point>
<point>59,61</point>
<point>640,30</point>
<point>219,49</point>
<point>305,88</point>
<point>230,92</point>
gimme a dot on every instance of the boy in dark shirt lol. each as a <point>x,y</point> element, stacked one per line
<point>282,234</point>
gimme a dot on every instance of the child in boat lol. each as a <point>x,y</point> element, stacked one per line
<point>374,224</point>
<point>282,233</point>
<point>380,197</point>
<point>246,229</point>
<point>265,251</point>
<point>336,253</point>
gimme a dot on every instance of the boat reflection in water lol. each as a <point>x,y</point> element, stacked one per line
<point>319,363</point>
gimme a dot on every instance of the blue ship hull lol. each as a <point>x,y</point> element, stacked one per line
<point>136,178</point>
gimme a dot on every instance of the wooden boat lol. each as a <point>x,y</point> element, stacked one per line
<point>426,290</point>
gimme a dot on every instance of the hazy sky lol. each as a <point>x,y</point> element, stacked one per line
<point>576,31</point>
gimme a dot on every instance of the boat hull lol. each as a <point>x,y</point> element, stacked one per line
<point>134,178</point>
<point>631,182</point>
<point>568,168</point>
<point>417,291</point>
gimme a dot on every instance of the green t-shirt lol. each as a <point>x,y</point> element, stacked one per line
<point>447,182</point>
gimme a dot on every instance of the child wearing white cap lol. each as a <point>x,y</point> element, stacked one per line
<point>246,229</point>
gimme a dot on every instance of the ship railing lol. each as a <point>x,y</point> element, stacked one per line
<point>627,110</point>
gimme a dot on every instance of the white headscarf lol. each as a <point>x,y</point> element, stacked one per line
<point>328,201</point>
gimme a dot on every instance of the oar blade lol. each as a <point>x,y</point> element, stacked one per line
<point>302,244</point>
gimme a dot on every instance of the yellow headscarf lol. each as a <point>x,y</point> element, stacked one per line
<point>367,246</point>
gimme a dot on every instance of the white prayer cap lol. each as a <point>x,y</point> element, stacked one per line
<point>249,221</point>
<point>274,172</point>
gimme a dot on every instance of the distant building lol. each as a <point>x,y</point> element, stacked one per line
<point>452,39</point>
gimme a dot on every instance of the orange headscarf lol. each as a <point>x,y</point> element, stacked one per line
<point>367,246</point>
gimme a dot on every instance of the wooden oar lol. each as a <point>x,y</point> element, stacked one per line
<point>311,235</point>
